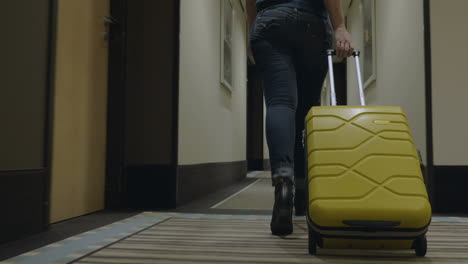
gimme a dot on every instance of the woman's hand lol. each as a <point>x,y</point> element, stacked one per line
<point>344,46</point>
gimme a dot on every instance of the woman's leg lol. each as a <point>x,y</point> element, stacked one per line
<point>280,88</point>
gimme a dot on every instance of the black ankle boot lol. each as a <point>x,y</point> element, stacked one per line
<point>281,220</point>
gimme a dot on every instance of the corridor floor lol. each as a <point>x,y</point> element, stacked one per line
<point>234,228</point>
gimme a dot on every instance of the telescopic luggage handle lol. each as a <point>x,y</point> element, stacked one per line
<point>356,54</point>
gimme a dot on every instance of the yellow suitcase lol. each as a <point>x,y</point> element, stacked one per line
<point>365,187</point>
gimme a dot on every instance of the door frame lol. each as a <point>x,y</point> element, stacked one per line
<point>116,182</point>
<point>255,120</point>
<point>49,136</point>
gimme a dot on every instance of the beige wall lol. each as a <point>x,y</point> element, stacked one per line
<point>449,81</point>
<point>212,120</point>
<point>399,61</point>
<point>78,170</point>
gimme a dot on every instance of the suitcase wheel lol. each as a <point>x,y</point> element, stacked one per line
<point>420,246</point>
<point>312,243</point>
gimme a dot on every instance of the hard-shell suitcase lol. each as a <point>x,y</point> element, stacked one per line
<point>365,187</point>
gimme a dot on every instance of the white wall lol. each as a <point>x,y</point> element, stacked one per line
<point>449,81</point>
<point>399,61</point>
<point>212,120</point>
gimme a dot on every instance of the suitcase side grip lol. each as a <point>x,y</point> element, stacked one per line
<point>371,224</point>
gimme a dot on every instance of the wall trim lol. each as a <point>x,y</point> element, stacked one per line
<point>23,210</point>
<point>196,181</point>
<point>149,186</point>
<point>450,189</point>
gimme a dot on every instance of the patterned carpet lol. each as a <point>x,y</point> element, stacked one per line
<point>215,239</point>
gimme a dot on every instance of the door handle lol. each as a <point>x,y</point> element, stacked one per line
<point>108,21</point>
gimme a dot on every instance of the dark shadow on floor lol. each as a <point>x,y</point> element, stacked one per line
<point>63,230</point>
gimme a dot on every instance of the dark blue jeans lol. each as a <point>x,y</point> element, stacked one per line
<point>289,47</point>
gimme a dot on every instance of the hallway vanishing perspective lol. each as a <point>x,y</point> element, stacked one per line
<point>134,132</point>
<point>233,227</point>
